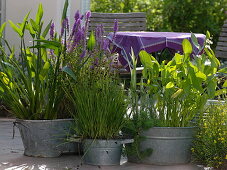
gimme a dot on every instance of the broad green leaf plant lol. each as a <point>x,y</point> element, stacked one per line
<point>179,89</point>
<point>30,82</point>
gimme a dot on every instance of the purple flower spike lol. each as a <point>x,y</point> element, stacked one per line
<point>99,35</point>
<point>65,26</point>
<point>52,31</point>
<point>106,45</point>
<point>78,22</point>
<point>83,29</point>
<point>88,15</point>
<point>78,35</point>
<point>77,15</point>
<point>115,25</point>
<point>77,38</point>
<point>76,26</point>
<point>98,32</point>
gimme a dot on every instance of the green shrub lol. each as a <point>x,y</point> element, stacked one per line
<point>210,145</point>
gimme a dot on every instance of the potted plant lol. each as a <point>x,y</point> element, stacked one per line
<point>31,86</point>
<point>100,109</point>
<point>177,91</point>
<point>99,103</point>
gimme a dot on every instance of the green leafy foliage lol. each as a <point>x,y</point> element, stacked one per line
<point>2,28</point>
<point>187,47</point>
<point>91,42</point>
<point>65,9</point>
<point>39,14</point>
<point>179,89</point>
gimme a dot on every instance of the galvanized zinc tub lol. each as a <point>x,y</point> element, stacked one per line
<point>46,138</point>
<point>103,152</point>
<point>171,145</point>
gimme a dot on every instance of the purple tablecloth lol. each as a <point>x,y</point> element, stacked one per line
<point>150,42</point>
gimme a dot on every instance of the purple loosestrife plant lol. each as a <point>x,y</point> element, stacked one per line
<point>77,38</point>
<point>94,90</point>
<point>76,26</point>
<point>76,44</point>
<point>77,15</point>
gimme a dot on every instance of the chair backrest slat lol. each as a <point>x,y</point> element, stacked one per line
<point>126,21</point>
<point>221,49</point>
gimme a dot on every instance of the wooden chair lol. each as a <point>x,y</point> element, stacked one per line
<point>126,21</point>
<point>221,49</point>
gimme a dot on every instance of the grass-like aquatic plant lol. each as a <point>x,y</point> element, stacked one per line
<point>99,104</point>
